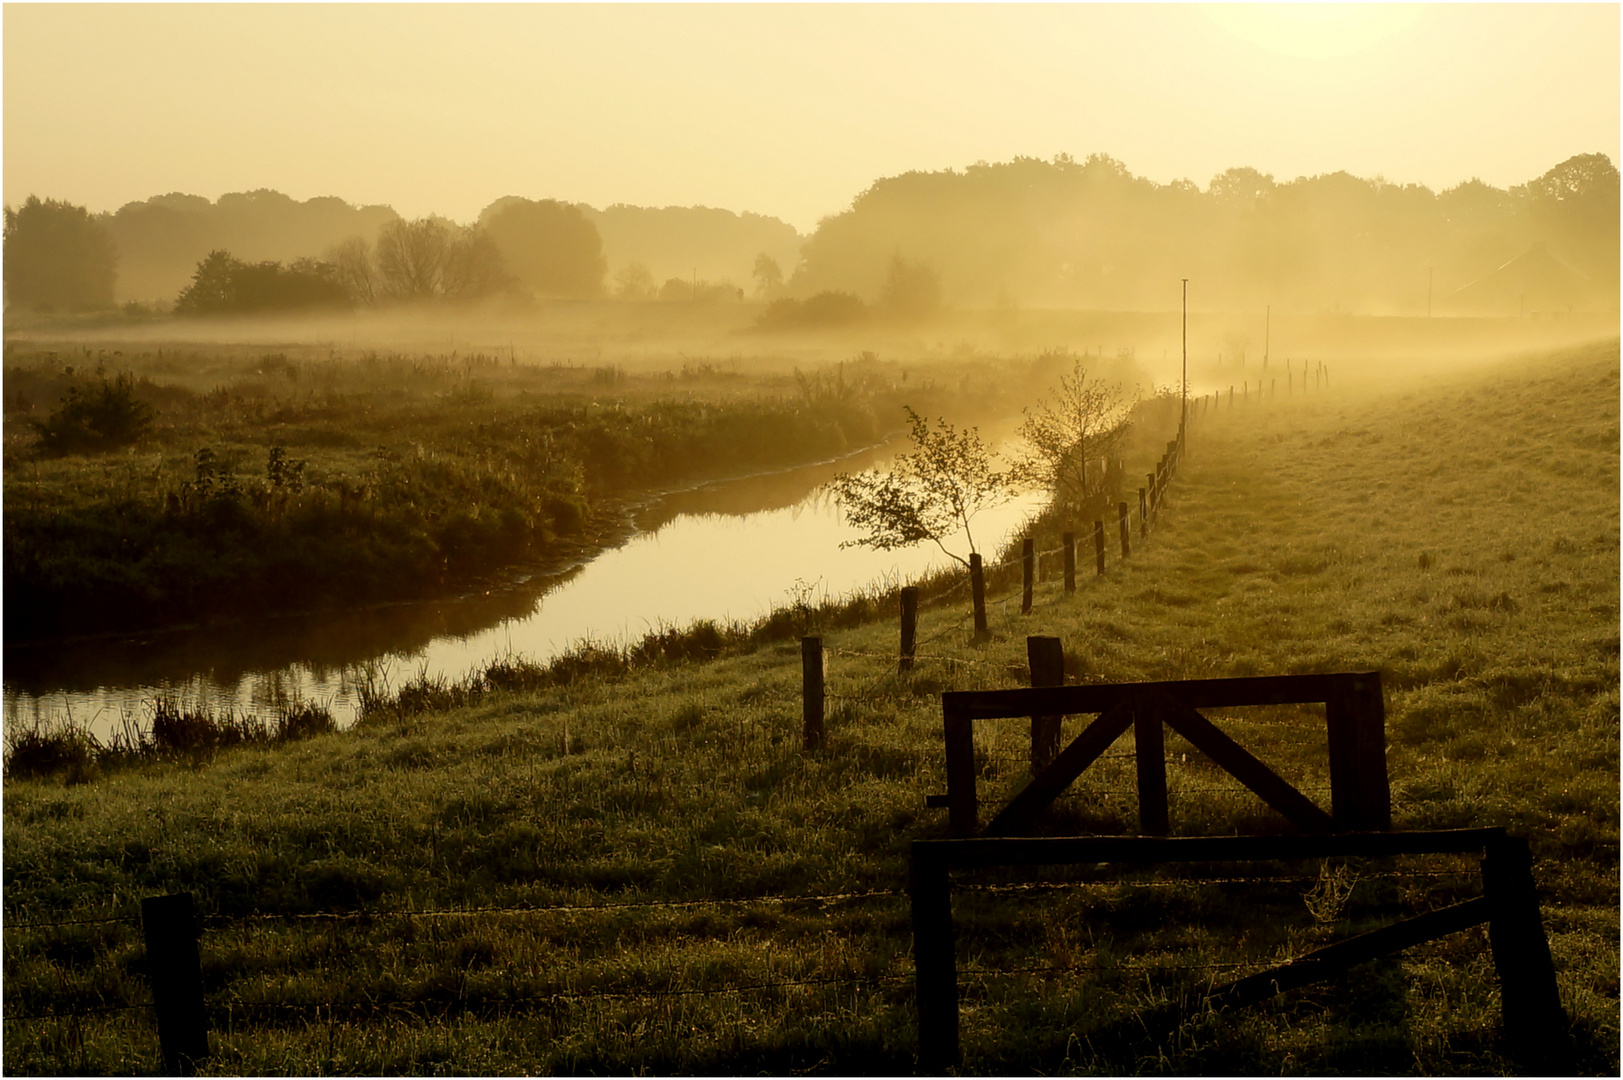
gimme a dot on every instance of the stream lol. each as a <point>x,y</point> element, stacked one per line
<point>734,549</point>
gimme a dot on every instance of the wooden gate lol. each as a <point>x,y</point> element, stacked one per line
<point>1360,794</point>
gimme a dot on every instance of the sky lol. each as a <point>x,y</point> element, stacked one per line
<point>787,110</point>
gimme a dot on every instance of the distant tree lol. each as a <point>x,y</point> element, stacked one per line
<point>768,277</point>
<point>433,259</point>
<point>352,266</point>
<point>931,494</point>
<point>634,282</point>
<point>825,310</point>
<point>676,289</point>
<point>57,256</point>
<point>912,290</point>
<point>549,246</point>
<point>1083,420</point>
<point>223,285</point>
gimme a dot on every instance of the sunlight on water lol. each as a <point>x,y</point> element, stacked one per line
<point>692,561</point>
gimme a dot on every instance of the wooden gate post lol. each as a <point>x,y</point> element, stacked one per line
<point>1070,562</point>
<point>1099,546</point>
<point>811,692</point>
<point>1126,531</point>
<point>1360,793</point>
<point>910,627</point>
<point>1028,573</point>
<point>958,739</point>
<point>935,967</point>
<point>1149,753</point>
<point>1535,1027</point>
<point>169,924</point>
<point>1046,659</point>
<point>977,595</point>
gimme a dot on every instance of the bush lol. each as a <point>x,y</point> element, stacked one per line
<point>103,417</point>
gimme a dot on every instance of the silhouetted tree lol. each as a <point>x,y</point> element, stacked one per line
<point>550,247</point>
<point>223,285</point>
<point>57,256</point>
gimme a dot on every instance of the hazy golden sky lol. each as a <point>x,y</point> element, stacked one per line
<point>787,110</point>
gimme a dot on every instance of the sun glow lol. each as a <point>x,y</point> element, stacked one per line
<point>1314,31</point>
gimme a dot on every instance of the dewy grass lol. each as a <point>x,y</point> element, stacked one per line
<point>597,874</point>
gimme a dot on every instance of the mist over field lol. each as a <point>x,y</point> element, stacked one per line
<point>535,535</point>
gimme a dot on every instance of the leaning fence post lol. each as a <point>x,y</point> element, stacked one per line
<point>1535,1027</point>
<point>977,595</point>
<point>1126,532</point>
<point>811,695</point>
<point>1028,572</point>
<point>1070,562</point>
<point>1099,546</point>
<point>1046,659</point>
<point>910,627</point>
<point>169,924</point>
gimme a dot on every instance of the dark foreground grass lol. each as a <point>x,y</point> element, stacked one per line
<point>598,875</point>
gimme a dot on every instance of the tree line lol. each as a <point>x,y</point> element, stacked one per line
<point>1060,233</point>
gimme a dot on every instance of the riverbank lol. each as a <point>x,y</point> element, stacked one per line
<point>326,484</point>
<point>640,870</point>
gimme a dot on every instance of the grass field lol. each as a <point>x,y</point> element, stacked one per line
<point>600,876</point>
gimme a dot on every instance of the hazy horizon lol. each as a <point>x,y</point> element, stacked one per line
<point>789,111</point>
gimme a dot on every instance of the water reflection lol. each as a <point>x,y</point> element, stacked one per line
<point>732,550</point>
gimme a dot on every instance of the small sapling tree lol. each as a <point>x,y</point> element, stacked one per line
<point>931,494</point>
<point>1085,419</point>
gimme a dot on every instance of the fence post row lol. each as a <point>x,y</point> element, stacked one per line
<point>1046,658</point>
<point>169,926</point>
<point>811,693</point>
<point>1028,573</point>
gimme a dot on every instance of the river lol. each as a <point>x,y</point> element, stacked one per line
<point>728,550</point>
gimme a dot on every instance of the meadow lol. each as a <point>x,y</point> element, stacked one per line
<point>628,867</point>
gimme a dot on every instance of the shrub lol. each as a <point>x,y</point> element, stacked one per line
<point>103,417</point>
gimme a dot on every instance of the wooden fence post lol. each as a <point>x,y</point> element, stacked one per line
<point>1070,562</point>
<point>1028,573</point>
<point>1126,532</point>
<point>1535,1027</point>
<point>1099,546</point>
<point>977,595</point>
<point>811,693</point>
<point>935,967</point>
<point>910,627</point>
<point>1149,753</point>
<point>169,924</point>
<point>1143,514</point>
<point>1046,659</point>
<point>1154,494</point>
